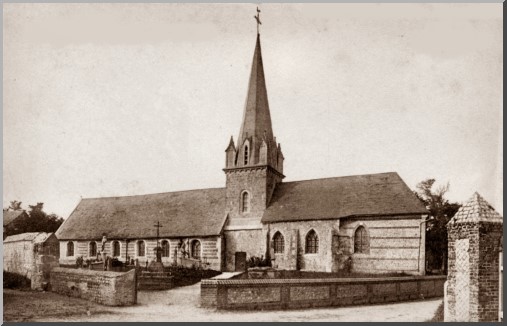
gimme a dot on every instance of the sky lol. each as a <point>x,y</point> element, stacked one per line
<point>129,99</point>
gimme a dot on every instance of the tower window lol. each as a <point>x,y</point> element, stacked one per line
<point>312,242</point>
<point>245,202</point>
<point>361,241</point>
<point>246,155</point>
<point>278,243</point>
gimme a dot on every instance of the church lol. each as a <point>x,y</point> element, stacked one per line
<point>366,223</point>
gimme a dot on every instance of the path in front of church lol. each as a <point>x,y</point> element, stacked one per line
<point>181,304</point>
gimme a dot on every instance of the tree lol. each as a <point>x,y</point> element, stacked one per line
<point>441,210</point>
<point>37,220</point>
<point>15,205</point>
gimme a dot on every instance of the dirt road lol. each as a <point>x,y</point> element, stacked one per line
<point>181,304</point>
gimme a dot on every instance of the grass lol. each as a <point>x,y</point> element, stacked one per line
<point>22,306</point>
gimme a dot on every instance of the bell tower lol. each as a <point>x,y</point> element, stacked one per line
<point>253,166</point>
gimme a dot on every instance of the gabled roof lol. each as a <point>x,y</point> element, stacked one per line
<point>10,216</point>
<point>181,214</point>
<point>35,237</point>
<point>359,195</point>
<point>476,209</point>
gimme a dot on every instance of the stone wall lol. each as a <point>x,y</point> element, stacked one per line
<point>19,258</point>
<point>107,288</point>
<point>396,244</point>
<point>473,271</point>
<point>44,264</point>
<point>250,241</point>
<point>307,293</point>
<point>294,255</point>
<point>210,250</point>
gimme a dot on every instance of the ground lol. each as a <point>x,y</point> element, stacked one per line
<point>182,304</point>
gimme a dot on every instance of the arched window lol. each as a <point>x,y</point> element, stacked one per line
<point>245,202</point>
<point>70,249</point>
<point>165,248</point>
<point>196,249</point>
<point>92,252</point>
<point>246,155</point>
<point>140,248</point>
<point>116,249</point>
<point>278,243</point>
<point>361,241</point>
<point>312,242</point>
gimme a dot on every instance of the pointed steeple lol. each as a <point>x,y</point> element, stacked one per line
<point>256,116</point>
<point>256,143</point>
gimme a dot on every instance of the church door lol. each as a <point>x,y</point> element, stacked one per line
<point>240,261</point>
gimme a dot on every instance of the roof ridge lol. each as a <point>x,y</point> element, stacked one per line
<point>344,176</point>
<point>156,193</point>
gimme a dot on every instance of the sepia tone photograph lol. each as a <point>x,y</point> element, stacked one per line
<point>178,162</point>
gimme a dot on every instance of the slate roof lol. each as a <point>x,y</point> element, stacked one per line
<point>476,209</point>
<point>358,195</point>
<point>182,214</point>
<point>35,237</point>
<point>202,212</point>
<point>10,216</point>
<point>256,117</point>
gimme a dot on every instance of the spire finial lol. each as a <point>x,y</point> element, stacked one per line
<point>258,19</point>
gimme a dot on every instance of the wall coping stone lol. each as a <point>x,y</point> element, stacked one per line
<point>89,272</point>
<point>212,282</point>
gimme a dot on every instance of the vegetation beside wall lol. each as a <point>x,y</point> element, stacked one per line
<point>187,276</point>
<point>15,281</point>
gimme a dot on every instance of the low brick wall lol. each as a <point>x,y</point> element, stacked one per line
<point>306,293</point>
<point>107,288</point>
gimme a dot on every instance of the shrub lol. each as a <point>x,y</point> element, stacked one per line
<point>255,261</point>
<point>79,262</point>
<point>15,281</point>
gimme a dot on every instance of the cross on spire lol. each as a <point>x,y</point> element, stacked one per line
<point>258,19</point>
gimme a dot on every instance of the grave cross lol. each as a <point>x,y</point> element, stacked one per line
<point>158,226</point>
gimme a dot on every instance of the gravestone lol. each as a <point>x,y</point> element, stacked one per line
<point>474,235</point>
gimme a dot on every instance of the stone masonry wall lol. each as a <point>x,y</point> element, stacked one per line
<point>107,288</point>
<point>307,293</point>
<point>462,290</point>
<point>19,258</point>
<point>320,261</point>
<point>489,271</point>
<point>210,250</point>
<point>250,241</point>
<point>396,244</point>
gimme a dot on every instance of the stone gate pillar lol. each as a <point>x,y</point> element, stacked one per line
<point>474,236</point>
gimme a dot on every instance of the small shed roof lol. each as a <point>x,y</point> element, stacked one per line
<point>35,237</point>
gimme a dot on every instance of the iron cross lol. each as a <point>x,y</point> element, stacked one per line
<point>258,19</point>
<point>158,226</point>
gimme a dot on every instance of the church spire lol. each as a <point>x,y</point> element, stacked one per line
<point>256,126</point>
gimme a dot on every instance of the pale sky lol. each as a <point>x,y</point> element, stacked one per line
<point>125,99</point>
